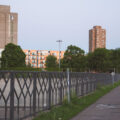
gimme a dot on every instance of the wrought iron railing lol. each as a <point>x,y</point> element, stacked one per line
<point>24,94</point>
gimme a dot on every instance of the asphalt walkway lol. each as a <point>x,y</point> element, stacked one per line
<point>106,108</point>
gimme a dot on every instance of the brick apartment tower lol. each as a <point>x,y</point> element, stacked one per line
<point>8,26</point>
<point>97,38</point>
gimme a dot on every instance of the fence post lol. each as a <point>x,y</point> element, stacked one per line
<point>49,106</point>
<point>76,89</point>
<point>91,83</point>
<point>113,77</point>
<point>82,87</point>
<point>60,87</point>
<point>11,96</point>
<point>95,82</point>
<point>87,86</point>
<point>68,81</point>
<point>34,93</point>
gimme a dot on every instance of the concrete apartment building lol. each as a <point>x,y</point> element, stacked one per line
<point>97,38</point>
<point>37,58</point>
<point>8,26</point>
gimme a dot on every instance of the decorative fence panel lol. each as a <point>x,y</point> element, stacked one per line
<point>24,94</point>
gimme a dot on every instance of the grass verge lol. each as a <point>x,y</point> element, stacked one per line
<point>67,111</point>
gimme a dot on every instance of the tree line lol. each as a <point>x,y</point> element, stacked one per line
<point>101,60</point>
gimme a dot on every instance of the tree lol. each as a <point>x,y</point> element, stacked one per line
<point>51,62</point>
<point>73,58</point>
<point>12,56</point>
<point>99,60</point>
<point>115,59</point>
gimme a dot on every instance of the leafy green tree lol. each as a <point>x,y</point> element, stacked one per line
<point>115,59</point>
<point>12,56</point>
<point>51,62</point>
<point>82,64</point>
<point>99,60</point>
<point>73,58</point>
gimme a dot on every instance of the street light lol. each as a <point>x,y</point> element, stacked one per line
<point>59,42</point>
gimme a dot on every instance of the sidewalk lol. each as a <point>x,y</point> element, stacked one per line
<point>106,108</point>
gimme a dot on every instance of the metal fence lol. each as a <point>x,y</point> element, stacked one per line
<point>24,94</point>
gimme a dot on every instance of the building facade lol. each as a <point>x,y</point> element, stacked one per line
<point>37,58</point>
<point>8,26</point>
<point>97,38</point>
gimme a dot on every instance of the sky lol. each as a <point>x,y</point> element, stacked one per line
<point>42,22</point>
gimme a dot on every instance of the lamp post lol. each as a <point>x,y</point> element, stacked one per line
<point>59,42</point>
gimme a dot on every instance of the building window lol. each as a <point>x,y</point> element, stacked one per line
<point>33,53</point>
<point>40,65</point>
<point>54,54</point>
<point>34,57</point>
<point>33,61</point>
<point>43,61</point>
<point>26,53</point>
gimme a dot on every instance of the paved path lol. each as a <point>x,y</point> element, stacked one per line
<point>106,108</point>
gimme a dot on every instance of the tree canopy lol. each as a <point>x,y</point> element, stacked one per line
<point>12,56</point>
<point>101,60</point>
<point>115,59</point>
<point>51,62</point>
<point>73,58</point>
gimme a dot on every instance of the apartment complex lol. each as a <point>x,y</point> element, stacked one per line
<point>8,26</point>
<point>97,38</point>
<point>37,58</point>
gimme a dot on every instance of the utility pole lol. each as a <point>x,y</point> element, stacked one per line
<point>59,42</point>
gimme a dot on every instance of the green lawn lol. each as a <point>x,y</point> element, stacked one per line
<point>67,111</point>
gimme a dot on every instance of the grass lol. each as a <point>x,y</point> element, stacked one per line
<point>67,111</point>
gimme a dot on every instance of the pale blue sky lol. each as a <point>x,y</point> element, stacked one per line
<point>42,22</point>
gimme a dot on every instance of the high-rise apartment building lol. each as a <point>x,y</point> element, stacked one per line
<point>97,38</point>
<point>8,26</point>
<point>37,58</point>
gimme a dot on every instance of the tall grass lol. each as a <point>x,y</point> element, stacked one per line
<point>67,111</point>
